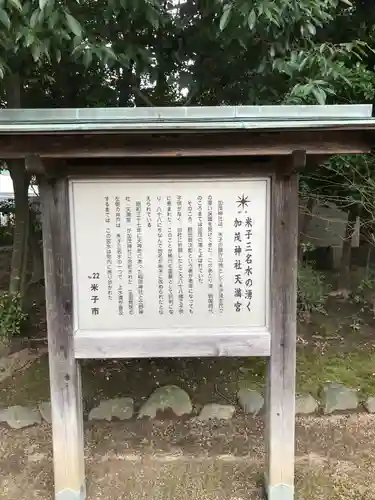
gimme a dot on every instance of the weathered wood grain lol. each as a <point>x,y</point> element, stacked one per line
<point>177,145</point>
<point>65,381</point>
<point>281,381</point>
<point>156,345</point>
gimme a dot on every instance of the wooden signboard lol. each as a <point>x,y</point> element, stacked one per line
<point>189,251</point>
<point>168,267</point>
<point>175,267</point>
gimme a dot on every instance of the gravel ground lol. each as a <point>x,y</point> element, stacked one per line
<point>190,460</point>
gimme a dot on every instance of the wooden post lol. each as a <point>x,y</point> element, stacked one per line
<point>280,435</point>
<point>65,380</point>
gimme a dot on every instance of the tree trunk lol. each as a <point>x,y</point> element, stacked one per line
<point>21,182</point>
<point>304,226</point>
<point>36,251</point>
<point>343,288</point>
<point>20,179</point>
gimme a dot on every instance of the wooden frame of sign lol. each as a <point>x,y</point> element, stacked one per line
<point>276,207</point>
<point>242,304</point>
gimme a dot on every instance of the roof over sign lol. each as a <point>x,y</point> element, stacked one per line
<point>224,131</point>
<point>21,121</point>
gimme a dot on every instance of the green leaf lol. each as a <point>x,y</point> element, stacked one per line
<point>224,20</point>
<point>77,40</point>
<point>110,53</point>
<point>52,19</point>
<point>16,4</point>
<point>311,29</point>
<point>36,52</point>
<point>58,55</point>
<point>4,18</point>
<point>153,18</point>
<point>347,2</point>
<point>42,4</point>
<point>320,95</point>
<point>34,18</point>
<point>73,24</point>
<point>251,20</point>
<point>29,39</point>
<point>87,58</point>
<point>242,43</point>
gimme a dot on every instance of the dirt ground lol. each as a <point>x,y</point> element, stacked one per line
<point>181,461</point>
<point>335,457</point>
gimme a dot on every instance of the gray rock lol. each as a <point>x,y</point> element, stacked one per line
<point>250,401</point>
<point>18,417</point>
<point>337,397</point>
<point>3,415</point>
<point>305,404</point>
<point>216,411</point>
<point>119,408</point>
<point>46,411</point>
<point>370,404</point>
<point>169,397</point>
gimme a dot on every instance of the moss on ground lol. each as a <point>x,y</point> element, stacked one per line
<point>329,349</point>
<point>354,369</point>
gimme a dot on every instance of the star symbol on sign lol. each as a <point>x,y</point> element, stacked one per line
<point>243,201</point>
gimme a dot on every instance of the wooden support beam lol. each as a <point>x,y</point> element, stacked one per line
<point>280,400</point>
<point>65,380</point>
<point>34,165</point>
<point>240,143</point>
<point>156,344</point>
<point>295,162</point>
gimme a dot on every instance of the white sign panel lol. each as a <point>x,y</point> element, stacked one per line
<point>170,255</point>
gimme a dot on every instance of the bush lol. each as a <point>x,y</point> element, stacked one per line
<point>12,316</point>
<point>312,291</point>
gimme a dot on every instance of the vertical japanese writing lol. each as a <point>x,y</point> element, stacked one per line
<point>170,256</point>
<point>108,239</point>
<point>200,238</point>
<point>220,252</point>
<point>180,259</point>
<point>210,256</point>
<point>119,258</point>
<point>94,290</point>
<point>159,226</point>
<point>140,278</point>
<point>248,262</point>
<point>190,257</point>
<point>148,212</point>
<point>238,224</point>
<point>129,247</point>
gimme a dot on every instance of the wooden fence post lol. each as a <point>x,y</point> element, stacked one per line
<point>280,435</point>
<point>65,379</point>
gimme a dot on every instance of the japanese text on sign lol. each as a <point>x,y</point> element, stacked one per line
<point>181,254</point>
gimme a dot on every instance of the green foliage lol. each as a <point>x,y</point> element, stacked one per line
<point>364,293</point>
<point>148,52</point>
<point>290,45</point>
<point>312,292</point>
<point>367,283</point>
<point>12,316</point>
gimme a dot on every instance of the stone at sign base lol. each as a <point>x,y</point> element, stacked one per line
<point>305,404</point>
<point>337,397</point>
<point>370,404</point>
<point>250,401</point>
<point>46,411</point>
<point>216,411</point>
<point>280,492</point>
<point>169,397</point>
<point>18,417</point>
<point>120,408</point>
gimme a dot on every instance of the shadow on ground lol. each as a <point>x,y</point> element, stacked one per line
<point>191,460</point>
